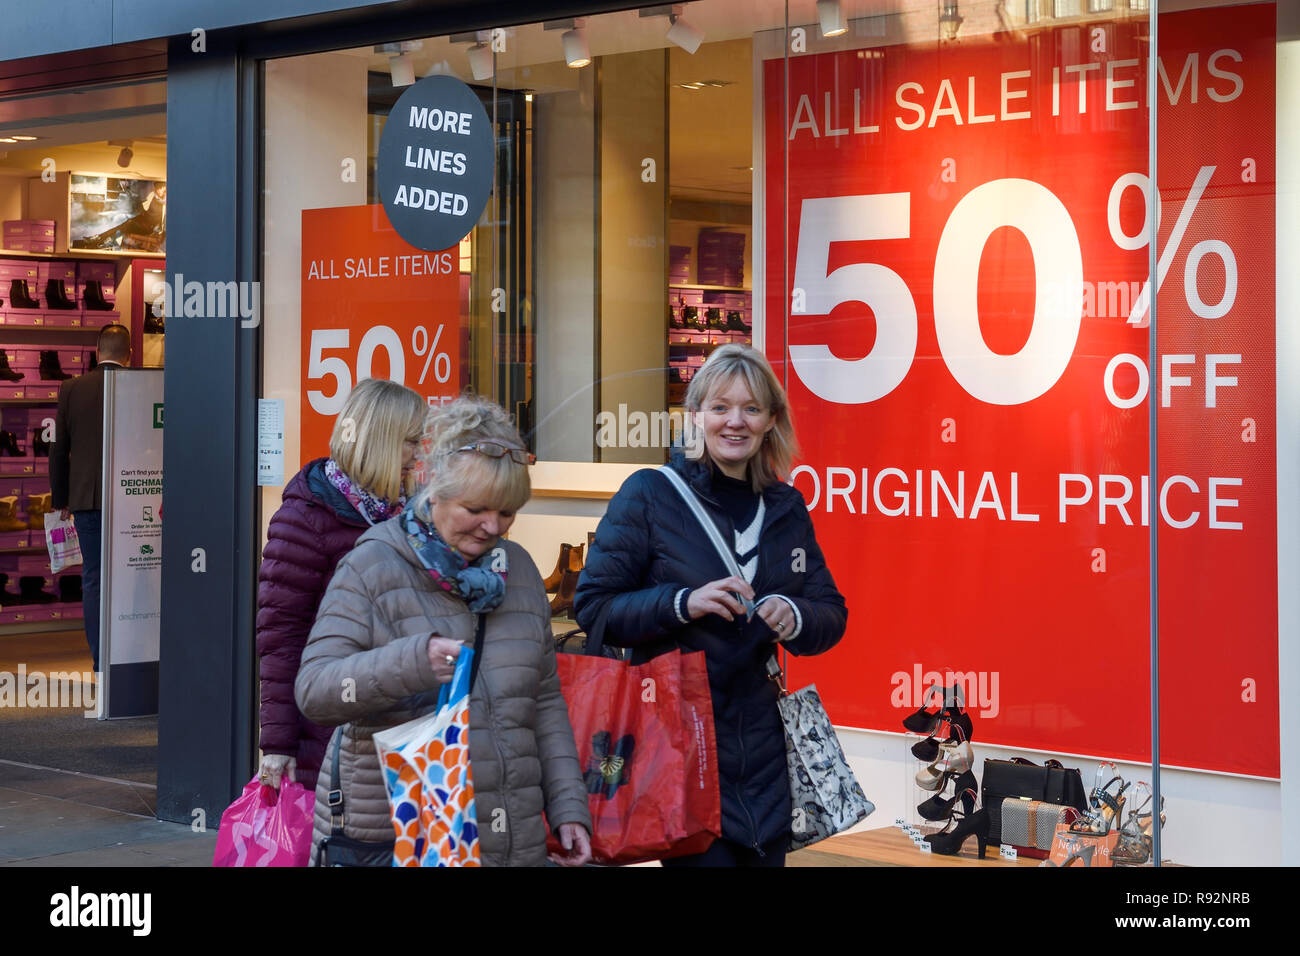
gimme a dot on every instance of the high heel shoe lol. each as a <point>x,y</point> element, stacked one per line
<point>959,730</point>
<point>937,808</point>
<point>949,842</point>
<point>958,753</point>
<point>1135,835</point>
<point>927,721</point>
<point>1105,810</point>
<point>928,778</point>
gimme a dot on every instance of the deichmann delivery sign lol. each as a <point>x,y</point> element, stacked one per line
<point>968,282</point>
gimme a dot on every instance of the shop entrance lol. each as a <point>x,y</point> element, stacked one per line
<point>83,199</point>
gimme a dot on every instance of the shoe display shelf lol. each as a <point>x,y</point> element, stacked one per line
<point>700,319</point>
<point>30,375</point>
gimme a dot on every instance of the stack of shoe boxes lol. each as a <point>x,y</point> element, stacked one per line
<point>722,258</point>
<point>29,235</point>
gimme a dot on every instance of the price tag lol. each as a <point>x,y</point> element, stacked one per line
<point>1007,852</point>
<point>898,822</point>
<point>924,847</point>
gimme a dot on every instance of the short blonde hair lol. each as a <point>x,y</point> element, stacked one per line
<point>367,440</point>
<point>772,462</point>
<point>499,484</point>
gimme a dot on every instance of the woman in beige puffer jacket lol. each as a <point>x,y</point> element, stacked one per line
<point>388,631</point>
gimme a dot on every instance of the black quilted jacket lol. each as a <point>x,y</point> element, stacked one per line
<point>648,547</point>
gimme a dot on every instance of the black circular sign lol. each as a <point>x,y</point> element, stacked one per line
<point>435,163</point>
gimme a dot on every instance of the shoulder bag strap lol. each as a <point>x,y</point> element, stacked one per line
<point>773,667</point>
<point>715,536</point>
<point>478,650</point>
<point>335,800</point>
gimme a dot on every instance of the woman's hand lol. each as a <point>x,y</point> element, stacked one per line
<point>576,843</point>
<point>442,657</point>
<point>777,614</point>
<point>719,597</point>
<point>274,767</point>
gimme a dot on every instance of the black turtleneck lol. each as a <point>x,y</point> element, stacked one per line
<point>737,497</point>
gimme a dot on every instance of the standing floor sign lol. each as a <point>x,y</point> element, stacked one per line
<point>968,292</point>
<point>131,569</point>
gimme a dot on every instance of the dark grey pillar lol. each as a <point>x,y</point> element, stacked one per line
<point>205,726</point>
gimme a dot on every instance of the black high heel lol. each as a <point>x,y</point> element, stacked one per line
<point>936,808</point>
<point>949,842</point>
<point>926,721</point>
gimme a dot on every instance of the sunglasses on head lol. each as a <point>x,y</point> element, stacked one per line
<point>495,449</point>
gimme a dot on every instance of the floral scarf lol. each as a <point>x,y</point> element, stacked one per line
<point>480,583</point>
<point>370,507</point>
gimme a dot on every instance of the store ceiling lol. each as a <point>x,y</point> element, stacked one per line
<point>129,109</point>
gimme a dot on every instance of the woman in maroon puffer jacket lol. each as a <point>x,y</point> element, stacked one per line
<point>327,506</point>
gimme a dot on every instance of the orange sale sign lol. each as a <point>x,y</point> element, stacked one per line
<point>373,306</point>
<point>966,280</point>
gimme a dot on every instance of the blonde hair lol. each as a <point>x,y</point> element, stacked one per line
<point>771,463</point>
<point>499,484</point>
<point>367,440</point>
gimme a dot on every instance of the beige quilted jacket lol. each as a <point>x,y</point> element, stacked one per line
<point>366,667</point>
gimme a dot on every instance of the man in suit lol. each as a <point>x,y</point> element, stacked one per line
<point>77,464</point>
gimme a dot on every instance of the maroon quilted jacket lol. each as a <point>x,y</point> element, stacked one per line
<point>314,528</point>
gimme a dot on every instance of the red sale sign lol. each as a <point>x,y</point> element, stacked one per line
<point>373,306</point>
<point>967,290</point>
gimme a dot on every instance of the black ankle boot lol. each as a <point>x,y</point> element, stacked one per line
<point>93,297</point>
<point>9,445</point>
<point>56,295</point>
<point>20,297</point>
<point>6,373</point>
<point>51,371</point>
<point>70,588</point>
<point>40,447</point>
<point>31,590</point>
<point>7,597</point>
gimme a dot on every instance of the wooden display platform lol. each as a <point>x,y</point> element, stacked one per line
<point>890,846</point>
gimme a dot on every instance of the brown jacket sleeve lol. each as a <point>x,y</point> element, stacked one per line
<point>344,675</point>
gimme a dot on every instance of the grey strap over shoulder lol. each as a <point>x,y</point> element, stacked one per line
<point>710,529</point>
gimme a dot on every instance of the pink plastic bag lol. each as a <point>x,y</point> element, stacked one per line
<point>266,828</point>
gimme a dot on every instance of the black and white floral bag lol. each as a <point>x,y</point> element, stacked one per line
<point>825,797</point>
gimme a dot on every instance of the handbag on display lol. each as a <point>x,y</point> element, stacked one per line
<point>825,796</point>
<point>1018,777</point>
<point>1030,825</point>
<point>651,772</point>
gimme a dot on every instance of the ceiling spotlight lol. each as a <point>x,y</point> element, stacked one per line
<point>23,138</point>
<point>576,52</point>
<point>832,18</point>
<point>481,61</point>
<point>7,139</point>
<point>402,69</point>
<point>683,34</point>
<point>949,19</point>
<point>124,157</point>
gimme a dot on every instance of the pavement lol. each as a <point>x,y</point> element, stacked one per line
<point>76,791</point>
<point>51,817</point>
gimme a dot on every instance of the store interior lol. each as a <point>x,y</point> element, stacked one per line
<point>83,203</point>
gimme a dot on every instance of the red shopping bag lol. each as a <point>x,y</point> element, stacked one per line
<point>264,827</point>
<point>649,759</point>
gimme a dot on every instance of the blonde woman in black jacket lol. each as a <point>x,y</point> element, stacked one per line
<point>655,583</point>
